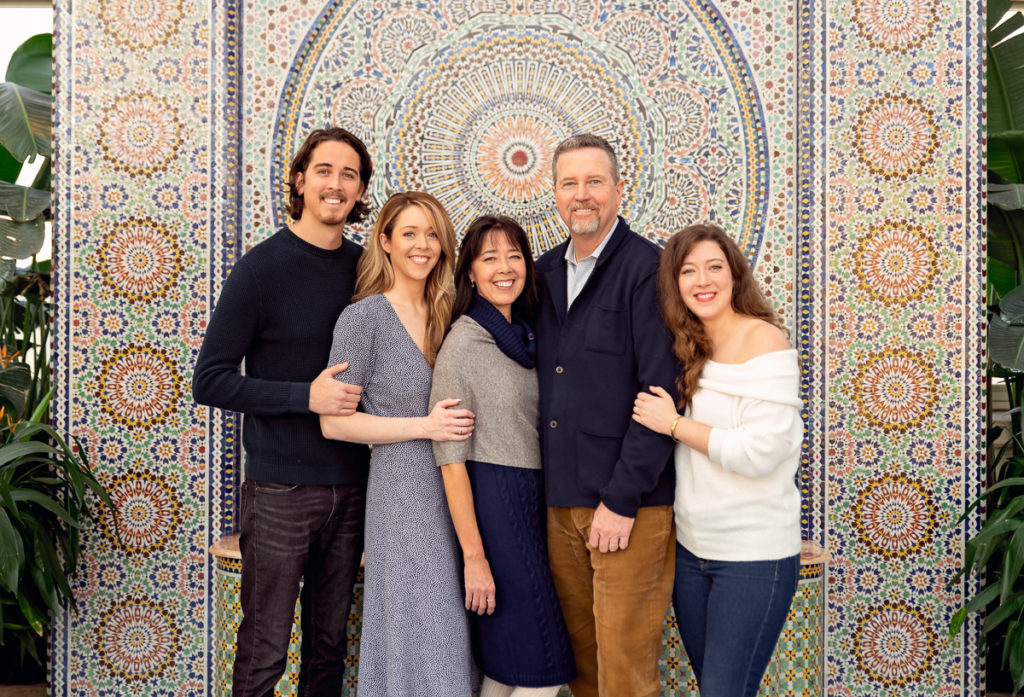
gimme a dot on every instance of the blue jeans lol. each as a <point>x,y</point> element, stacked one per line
<point>730,615</point>
<point>288,533</point>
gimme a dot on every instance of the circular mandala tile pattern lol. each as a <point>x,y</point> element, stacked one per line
<point>140,134</point>
<point>513,152</point>
<point>140,23</point>
<point>583,14</point>
<point>139,259</point>
<point>474,160</point>
<point>895,25</point>
<point>399,35</point>
<point>356,106</point>
<point>896,262</point>
<point>895,390</point>
<point>147,512</point>
<point>139,385</point>
<point>687,118</point>
<point>137,638</point>
<point>641,36</point>
<point>687,199</point>
<point>896,136</point>
<point>894,516</point>
<point>894,644</point>
<point>468,100</point>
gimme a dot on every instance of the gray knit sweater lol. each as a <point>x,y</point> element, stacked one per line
<point>500,392</point>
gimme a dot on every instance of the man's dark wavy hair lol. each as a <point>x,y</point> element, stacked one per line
<point>301,163</point>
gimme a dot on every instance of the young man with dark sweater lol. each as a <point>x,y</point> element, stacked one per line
<point>303,498</point>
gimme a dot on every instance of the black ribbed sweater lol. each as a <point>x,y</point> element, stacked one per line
<point>277,312</point>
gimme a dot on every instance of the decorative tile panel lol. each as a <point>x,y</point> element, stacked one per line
<point>839,141</point>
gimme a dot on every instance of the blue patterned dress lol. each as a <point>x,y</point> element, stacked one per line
<point>415,635</point>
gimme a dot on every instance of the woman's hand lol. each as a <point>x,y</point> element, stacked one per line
<point>446,423</point>
<point>479,587</point>
<point>656,411</point>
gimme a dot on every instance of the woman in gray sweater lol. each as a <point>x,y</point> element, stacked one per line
<point>493,480</point>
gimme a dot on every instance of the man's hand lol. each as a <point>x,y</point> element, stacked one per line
<point>609,532</point>
<point>330,397</point>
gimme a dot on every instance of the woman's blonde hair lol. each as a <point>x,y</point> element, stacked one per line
<point>690,342</point>
<point>376,275</point>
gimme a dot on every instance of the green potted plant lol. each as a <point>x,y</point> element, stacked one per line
<point>25,134</point>
<point>996,554</point>
<point>47,489</point>
<point>46,493</point>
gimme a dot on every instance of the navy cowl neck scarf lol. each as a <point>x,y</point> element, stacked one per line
<point>515,339</point>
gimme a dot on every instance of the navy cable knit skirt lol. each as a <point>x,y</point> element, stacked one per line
<point>525,642</point>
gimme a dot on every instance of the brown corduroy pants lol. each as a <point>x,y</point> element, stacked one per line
<point>614,603</point>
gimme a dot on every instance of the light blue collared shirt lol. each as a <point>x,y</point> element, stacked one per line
<point>577,271</point>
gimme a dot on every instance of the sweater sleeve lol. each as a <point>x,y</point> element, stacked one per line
<point>235,324</point>
<point>644,454</point>
<point>767,435</point>
<point>451,382</point>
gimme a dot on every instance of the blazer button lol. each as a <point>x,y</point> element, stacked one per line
<point>553,423</point>
<point>559,369</point>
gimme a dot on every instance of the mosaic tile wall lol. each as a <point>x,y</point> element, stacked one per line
<point>839,141</point>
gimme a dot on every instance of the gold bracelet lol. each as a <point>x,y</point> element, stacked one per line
<point>675,422</point>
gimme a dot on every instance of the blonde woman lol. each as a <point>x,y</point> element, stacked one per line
<point>415,636</point>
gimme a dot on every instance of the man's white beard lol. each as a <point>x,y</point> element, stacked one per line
<point>584,228</point>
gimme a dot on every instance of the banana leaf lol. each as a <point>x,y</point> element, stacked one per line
<point>31,64</point>
<point>1005,91</point>
<point>25,124</point>
<point>21,240</point>
<point>1006,238</point>
<point>1011,306</point>
<point>1001,280</point>
<point>1006,344</point>
<point>10,167</point>
<point>1007,197</point>
<point>22,203</point>
<point>43,176</point>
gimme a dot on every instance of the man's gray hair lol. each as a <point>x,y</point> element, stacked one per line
<point>585,140</point>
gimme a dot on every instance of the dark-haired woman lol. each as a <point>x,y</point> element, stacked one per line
<point>737,507</point>
<point>493,479</point>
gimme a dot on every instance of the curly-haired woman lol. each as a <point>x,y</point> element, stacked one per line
<point>737,507</point>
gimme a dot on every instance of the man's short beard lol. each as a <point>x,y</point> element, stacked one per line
<point>335,220</point>
<point>578,228</point>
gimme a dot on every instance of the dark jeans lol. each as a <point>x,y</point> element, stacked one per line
<point>288,533</point>
<point>730,615</point>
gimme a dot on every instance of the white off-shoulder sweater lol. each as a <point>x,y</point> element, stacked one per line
<point>740,502</point>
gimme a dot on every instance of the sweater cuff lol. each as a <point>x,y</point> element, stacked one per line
<point>716,442</point>
<point>451,451</point>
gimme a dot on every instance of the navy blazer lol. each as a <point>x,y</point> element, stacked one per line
<point>591,362</point>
